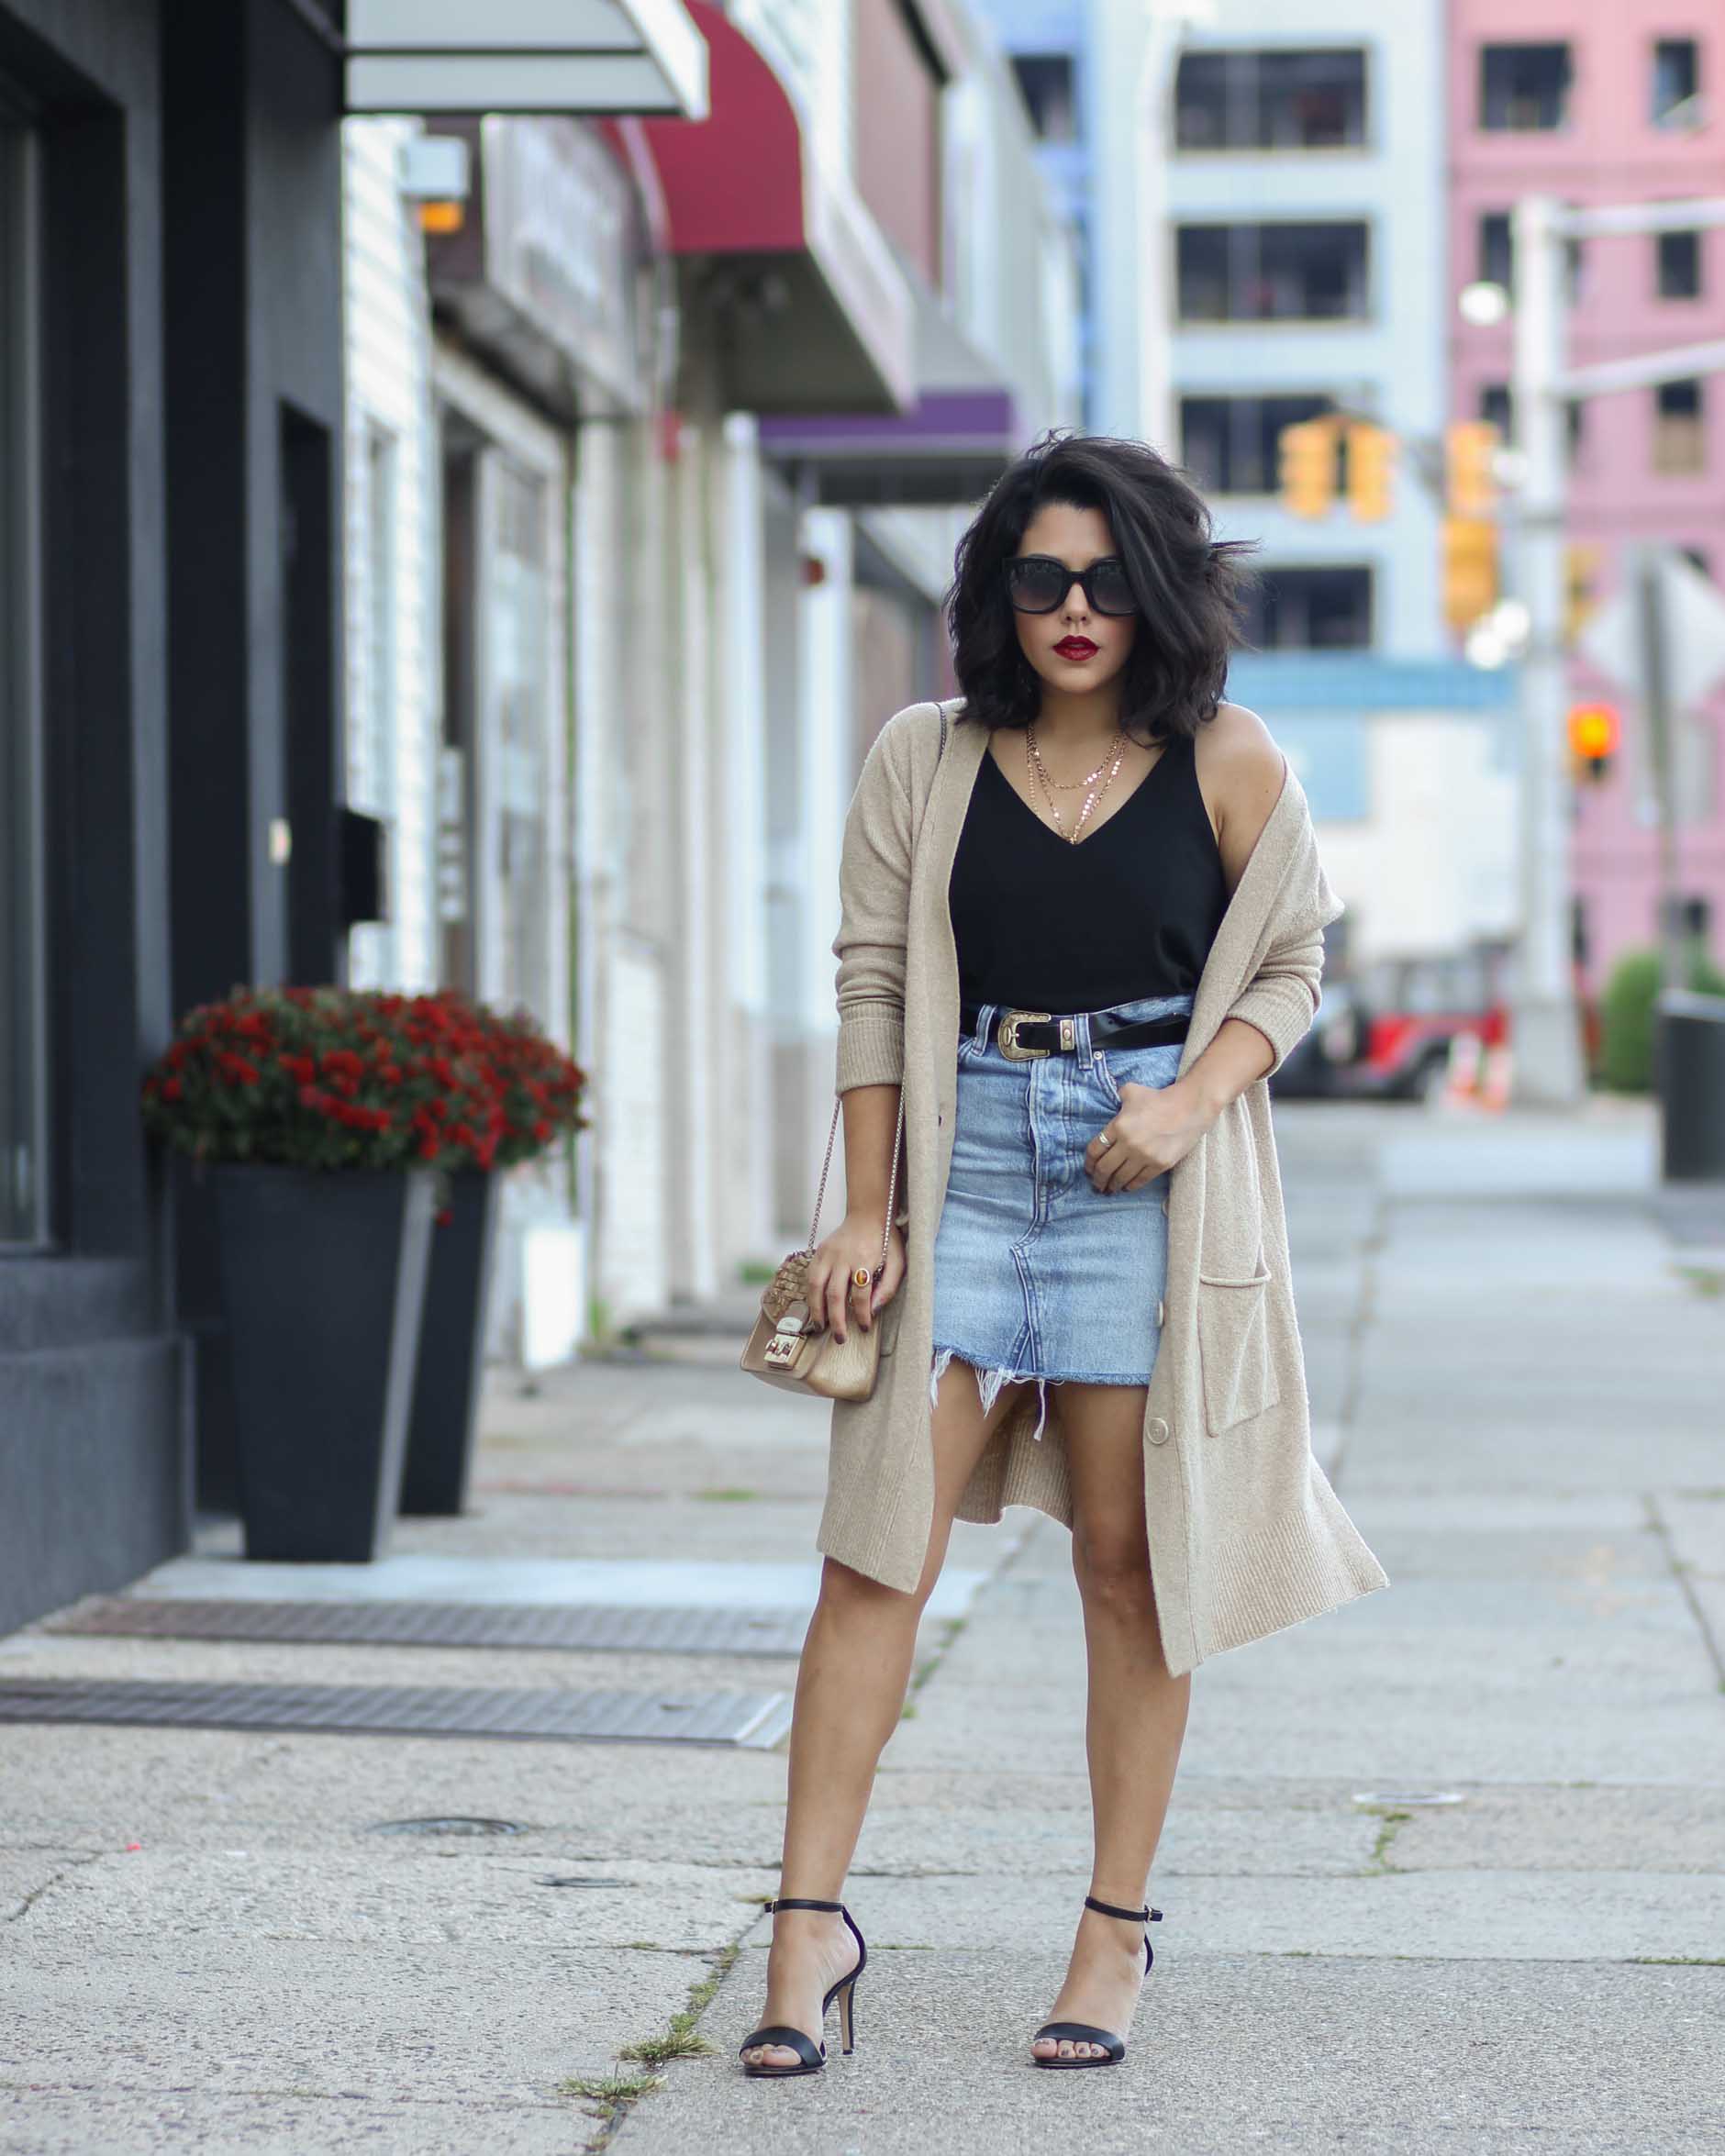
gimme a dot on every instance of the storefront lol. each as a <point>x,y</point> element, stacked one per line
<point>543,372</point>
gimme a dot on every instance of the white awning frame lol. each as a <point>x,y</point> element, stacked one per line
<point>592,57</point>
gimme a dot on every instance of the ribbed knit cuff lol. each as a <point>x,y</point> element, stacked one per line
<point>1281,1010</point>
<point>871,1046</point>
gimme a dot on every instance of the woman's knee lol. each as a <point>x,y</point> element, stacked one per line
<point>1112,1569</point>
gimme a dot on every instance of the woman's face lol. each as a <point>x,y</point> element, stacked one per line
<point>1075,648</point>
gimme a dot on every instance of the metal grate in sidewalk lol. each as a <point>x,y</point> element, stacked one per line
<point>598,1627</point>
<point>753,1719</point>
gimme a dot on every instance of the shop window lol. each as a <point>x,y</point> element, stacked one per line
<point>1271,100</point>
<point>1228,443</point>
<point>1677,83</point>
<point>22,970</point>
<point>1524,88</point>
<point>1679,264</point>
<point>373,732</point>
<point>1679,437</point>
<point>1310,609</point>
<point>1276,273</point>
<point>1047,86</point>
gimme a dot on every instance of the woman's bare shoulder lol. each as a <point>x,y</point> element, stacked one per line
<point>1240,770</point>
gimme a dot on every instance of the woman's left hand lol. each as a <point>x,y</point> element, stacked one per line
<point>1156,1126</point>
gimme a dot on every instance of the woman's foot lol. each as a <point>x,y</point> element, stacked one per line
<point>811,1950</point>
<point>1103,1981</point>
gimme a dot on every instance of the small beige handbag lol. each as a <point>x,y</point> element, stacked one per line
<point>791,1346</point>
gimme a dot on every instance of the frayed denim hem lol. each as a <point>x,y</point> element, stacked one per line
<point>989,1382</point>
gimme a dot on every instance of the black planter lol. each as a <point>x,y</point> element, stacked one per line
<point>451,1348</point>
<point>323,1281</point>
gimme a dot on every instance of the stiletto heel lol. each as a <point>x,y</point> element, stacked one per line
<point>1081,2031</point>
<point>813,2058</point>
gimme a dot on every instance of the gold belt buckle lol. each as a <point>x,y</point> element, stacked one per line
<point>1006,1036</point>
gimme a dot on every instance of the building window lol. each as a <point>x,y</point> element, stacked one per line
<point>1498,405</point>
<point>1228,443</point>
<point>1497,256</point>
<point>1272,273</point>
<point>1273,100</point>
<point>520,686</point>
<point>1310,610</point>
<point>1496,250</point>
<point>1679,264</point>
<point>1677,83</point>
<point>1523,88</point>
<point>1679,439</point>
<point>23,969</point>
<point>1046,84</point>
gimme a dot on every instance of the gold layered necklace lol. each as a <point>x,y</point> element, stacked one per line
<point>1033,755</point>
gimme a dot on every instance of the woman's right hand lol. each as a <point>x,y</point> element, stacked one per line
<point>855,1244</point>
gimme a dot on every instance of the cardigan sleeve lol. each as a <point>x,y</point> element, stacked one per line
<point>1280,999</point>
<point>875,909</point>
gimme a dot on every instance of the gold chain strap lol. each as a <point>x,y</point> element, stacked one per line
<point>892,1187</point>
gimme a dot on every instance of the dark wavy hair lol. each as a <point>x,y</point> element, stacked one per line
<point>1189,587</point>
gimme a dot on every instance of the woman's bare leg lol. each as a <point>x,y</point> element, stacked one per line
<point>1137,1715</point>
<point>851,1687</point>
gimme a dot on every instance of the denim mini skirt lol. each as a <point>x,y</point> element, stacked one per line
<point>1037,1273</point>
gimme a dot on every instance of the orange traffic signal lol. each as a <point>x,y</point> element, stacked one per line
<point>1305,461</point>
<point>1594,730</point>
<point>1470,485</point>
<point>1470,569</point>
<point>1370,456</point>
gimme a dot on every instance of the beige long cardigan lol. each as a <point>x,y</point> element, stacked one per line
<point>1246,1535</point>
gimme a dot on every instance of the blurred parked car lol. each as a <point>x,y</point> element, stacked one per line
<point>1409,1011</point>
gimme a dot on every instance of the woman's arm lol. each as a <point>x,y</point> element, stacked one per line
<point>1240,776</point>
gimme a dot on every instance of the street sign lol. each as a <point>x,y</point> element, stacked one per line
<point>1694,610</point>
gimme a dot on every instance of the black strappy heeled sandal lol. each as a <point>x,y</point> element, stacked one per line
<point>1081,2032</point>
<point>780,2032</point>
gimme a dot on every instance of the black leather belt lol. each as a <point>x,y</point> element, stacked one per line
<point>1021,1034</point>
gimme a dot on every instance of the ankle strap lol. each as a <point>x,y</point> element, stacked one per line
<point>787,1901</point>
<point>1143,1916</point>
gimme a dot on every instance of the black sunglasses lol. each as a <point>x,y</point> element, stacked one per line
<point>1037,583</point>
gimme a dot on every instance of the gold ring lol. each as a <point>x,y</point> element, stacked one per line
<point>860,1277</point>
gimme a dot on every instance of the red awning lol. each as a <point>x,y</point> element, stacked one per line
<point>827,321</point>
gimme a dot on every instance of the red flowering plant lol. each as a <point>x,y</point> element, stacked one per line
<point>355,1078</point>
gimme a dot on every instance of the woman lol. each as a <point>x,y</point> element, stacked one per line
<point>1081,923</point>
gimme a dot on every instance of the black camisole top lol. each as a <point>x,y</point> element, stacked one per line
<point>1129,911</point>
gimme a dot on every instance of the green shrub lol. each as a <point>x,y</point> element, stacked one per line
<point>1626,1016</point>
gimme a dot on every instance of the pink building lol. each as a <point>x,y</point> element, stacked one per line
<point>1610,101</point>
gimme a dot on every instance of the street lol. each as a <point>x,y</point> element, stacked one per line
<point>1444,1869</point>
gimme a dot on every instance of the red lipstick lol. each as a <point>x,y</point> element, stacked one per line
<point>1076,649</point>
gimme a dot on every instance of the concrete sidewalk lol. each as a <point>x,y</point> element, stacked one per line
<point>1445,1868</point>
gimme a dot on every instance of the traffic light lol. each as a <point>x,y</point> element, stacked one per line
<point>1594,733</point>
<point>1371,454</point>
<point>1306,466</point>
<point>1470,569</point>
<point>1470,488</point>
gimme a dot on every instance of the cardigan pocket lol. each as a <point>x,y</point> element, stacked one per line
<point>1239,1374</point>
